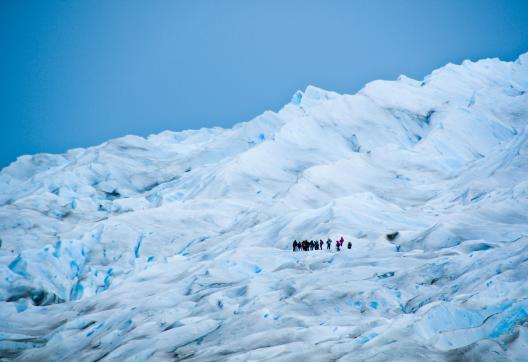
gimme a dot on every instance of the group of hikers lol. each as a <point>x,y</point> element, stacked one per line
<point>306,245</point>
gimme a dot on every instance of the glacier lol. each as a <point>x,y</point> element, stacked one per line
<point>177,246</point>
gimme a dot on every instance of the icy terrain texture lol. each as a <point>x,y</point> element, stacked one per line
<point>178,246</point>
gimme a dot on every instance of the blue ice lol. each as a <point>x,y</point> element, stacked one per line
<point>297,97</point>
<point>18,266</point>
<point>138,245</point>
<point>57,247</point>
<point>515,316</point>
<point>76,292</point>
<point>368,337</point>
<point>74,268</point>
<point>21,305</point>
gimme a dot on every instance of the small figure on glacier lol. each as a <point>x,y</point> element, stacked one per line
<point>328,244</point>
<point>338,245</point>
<point>311,245</point>
<point>295,245</point>
<point>321,243</point>
<point>305,245</point>
<point>350,245</point>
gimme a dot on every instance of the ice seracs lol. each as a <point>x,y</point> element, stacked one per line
<point>178,245</point>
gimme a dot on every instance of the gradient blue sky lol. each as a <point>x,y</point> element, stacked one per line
<point>76,73</point>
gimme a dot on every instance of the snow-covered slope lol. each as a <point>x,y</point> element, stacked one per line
<point>178,246</point>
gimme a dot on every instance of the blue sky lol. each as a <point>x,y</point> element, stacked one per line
<point>76,73</point>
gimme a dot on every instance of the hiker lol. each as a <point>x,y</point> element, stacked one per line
<point>306,245</point>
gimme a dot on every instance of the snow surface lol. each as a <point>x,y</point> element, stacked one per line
<point>178,246</point>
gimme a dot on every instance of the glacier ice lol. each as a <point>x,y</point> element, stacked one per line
<point>177,246</point>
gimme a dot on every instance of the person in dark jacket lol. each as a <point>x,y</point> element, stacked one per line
<point>311,245</point>
<point>328,244</point>
<point>316,245</point>
<point>338,244</point>
<point>321,243</point>
<point>350,245</point>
